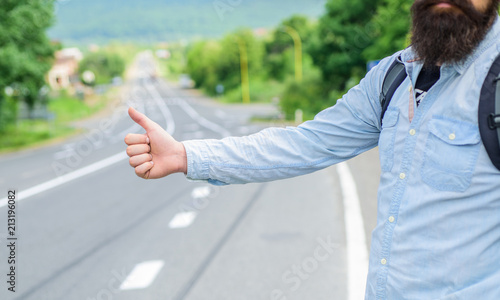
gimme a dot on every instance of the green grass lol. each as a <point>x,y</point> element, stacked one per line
<point>68,109</point>
<point>27,133</point>
<point>30,133</point>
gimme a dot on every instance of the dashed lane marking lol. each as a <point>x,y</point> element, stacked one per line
<point>142,275</point>
<point>201,192</point>
<point>183,220</point>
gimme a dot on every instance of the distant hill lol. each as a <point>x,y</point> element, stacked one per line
<point>99,21</point>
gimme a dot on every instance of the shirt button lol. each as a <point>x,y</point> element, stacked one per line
<point>383,261</point>
<point>402,175</point>
<point>452,136</point>
<point>413,132</point>
<point>391,219</point>
<point>409,88</point>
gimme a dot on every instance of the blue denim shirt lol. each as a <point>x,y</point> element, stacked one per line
<point>438,225</point>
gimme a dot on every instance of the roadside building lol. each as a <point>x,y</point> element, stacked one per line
<point>64,72</point>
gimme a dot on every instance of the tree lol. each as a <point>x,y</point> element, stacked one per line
<point>279,59</point>
<point>392,25</point>
<point>344,32</point>
<point>104,65</point>
<point>26,53</point>
<point>218,62</point>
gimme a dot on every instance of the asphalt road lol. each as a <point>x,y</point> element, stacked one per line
<point>88,228</point>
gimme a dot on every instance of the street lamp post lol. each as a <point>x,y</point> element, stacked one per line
<point>298,50</point>
<point>245,83</point>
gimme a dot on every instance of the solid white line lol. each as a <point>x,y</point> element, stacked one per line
<point>67,177</point>
<point>202,121</point>
<point>357,254</point>
<point>163,108</point>
<point>183,220</point>
<point>142,275</point>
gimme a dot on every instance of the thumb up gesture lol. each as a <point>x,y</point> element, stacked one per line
<point>155,154</point>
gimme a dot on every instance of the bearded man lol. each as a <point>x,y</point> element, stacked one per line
<point>438,223</point>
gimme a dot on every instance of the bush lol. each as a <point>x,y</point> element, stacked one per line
<point>104,65</point>
<point>8,112</point>
<point>308,95</point>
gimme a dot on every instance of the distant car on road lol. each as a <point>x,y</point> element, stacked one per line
<point>186,82</point>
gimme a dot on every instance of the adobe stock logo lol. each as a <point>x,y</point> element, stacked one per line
<point>297,274</point>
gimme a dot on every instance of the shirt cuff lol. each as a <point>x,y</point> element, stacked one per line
<point>197,160</point>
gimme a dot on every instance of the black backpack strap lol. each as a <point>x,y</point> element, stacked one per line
<point>489,113</point>
<point>393,79</point>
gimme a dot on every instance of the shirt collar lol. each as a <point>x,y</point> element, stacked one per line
<point>490,39</point>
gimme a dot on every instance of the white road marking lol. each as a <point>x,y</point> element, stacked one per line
<point>95,166</point>
<point>193,135</point>
<point>163,108</point>
<point>201,192</point>
<point>142,275</point>
<point>183,219</point>
<point>220,114</point>
<point>357,254</point>
<point>68,177</point>
<point>69,149</point>
<point>202,121</point>
<point>191,127</point>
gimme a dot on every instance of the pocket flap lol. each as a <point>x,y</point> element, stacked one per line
<point>454,132</point>
<point>390,118</point>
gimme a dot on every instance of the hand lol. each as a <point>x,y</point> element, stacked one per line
<point>155,154</point>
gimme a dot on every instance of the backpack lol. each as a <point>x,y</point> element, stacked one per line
<point>489,104</point>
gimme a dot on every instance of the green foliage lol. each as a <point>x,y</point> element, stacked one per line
<point>26,53</point>
<point>30,132</point>
<point>105,66</point>
<point>174,66</point>
<point>8,112</point>
<point>307,96</point>
<point>67,108</point>
<point>261,90</point>
<point>391,29</point>
<point>344,31</point>
<point>280,58</point>
<point>218,62</point>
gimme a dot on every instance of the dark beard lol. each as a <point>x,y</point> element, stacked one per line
<point>448,35</point>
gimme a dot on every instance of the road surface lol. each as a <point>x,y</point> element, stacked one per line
<point>88,228</point>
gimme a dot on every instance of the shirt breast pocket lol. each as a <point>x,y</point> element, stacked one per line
<point>386,139</point>
<point>450,154</point>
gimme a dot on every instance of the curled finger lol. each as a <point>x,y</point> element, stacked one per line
<point>136,139</point>
<point>140,159</point>
<point>143,170</point>
<point>138,149</point>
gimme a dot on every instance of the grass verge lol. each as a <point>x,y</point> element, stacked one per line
<point>66,109</point>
